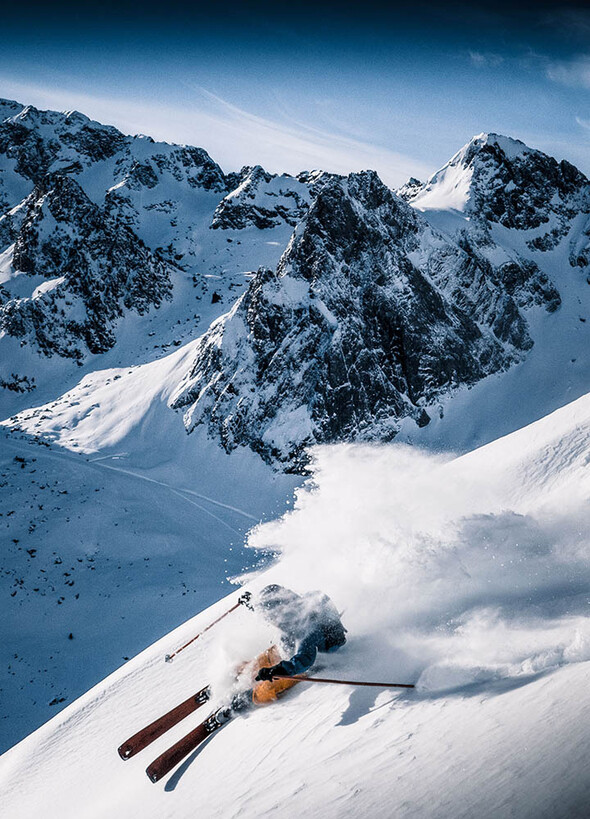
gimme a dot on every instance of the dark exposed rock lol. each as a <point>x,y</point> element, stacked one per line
<point>96,267</point>
<point>264,200</point>
<point>350,334</point>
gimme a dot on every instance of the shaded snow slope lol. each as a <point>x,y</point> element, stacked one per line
<point>116,531</point>
<point>469,575</point>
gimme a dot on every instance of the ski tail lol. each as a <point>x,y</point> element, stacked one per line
<point>177,752</point>
<point>155,729</point>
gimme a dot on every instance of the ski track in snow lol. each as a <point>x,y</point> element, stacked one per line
<point>180,491</point>
<point>180,562</point>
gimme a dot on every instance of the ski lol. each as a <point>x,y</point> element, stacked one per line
<point>155,729</point>
<point>170,758</point>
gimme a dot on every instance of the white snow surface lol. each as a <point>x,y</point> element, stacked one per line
<point>467,575</point>
<point>116,526</point>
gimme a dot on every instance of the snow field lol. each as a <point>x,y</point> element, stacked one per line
<point>468,575</point>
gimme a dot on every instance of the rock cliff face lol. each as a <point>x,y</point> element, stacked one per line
<point>359,326</point>
<point>93,270</point>
<point>517,204</point>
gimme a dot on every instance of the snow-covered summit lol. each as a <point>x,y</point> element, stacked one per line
<point>503,180</point>
<point>514,206</point>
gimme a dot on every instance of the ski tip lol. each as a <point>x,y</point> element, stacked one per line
<point>125,751</point>
<point>152,775</point>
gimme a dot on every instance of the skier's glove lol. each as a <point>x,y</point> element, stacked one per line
<point>269,673</point>
<point>264,674</point>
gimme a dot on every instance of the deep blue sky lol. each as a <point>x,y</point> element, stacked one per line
<point>334,85</point>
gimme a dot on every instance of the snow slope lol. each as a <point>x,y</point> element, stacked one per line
<point>117,530</point>
<point>469,575</point>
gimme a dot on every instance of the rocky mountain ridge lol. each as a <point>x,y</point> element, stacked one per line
<point>497,182</point>
<point>370,314</point>
<point>162,199</point>
<point>367,306</point>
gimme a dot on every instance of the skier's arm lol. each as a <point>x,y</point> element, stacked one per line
<point>299,663</point>
<point>304,658</point>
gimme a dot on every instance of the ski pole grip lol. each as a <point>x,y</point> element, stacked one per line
<point>244,600</point>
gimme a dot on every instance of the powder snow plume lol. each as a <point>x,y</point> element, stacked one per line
<point>447,571</point>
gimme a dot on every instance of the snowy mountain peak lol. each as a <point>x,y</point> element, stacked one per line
<point>264,200</point>
<point>505,181</point>
<point>508,145</point>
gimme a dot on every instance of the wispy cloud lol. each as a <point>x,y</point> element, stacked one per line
<point>485,59</point>
<point>232,135</point>
<point>583,123</point>
<point>575,72</point>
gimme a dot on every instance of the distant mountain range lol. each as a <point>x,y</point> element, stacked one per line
<point>327,308</point>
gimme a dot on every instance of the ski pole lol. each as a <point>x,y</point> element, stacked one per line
<point>303,678</point>
<point>244,600</point>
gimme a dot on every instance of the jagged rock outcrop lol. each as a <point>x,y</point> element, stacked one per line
<point>95,268</point>
<point>359,326</point>
<point>511,205</point>
<point>264,200</point>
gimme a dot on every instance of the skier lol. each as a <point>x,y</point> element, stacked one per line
<point>308,623</point>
